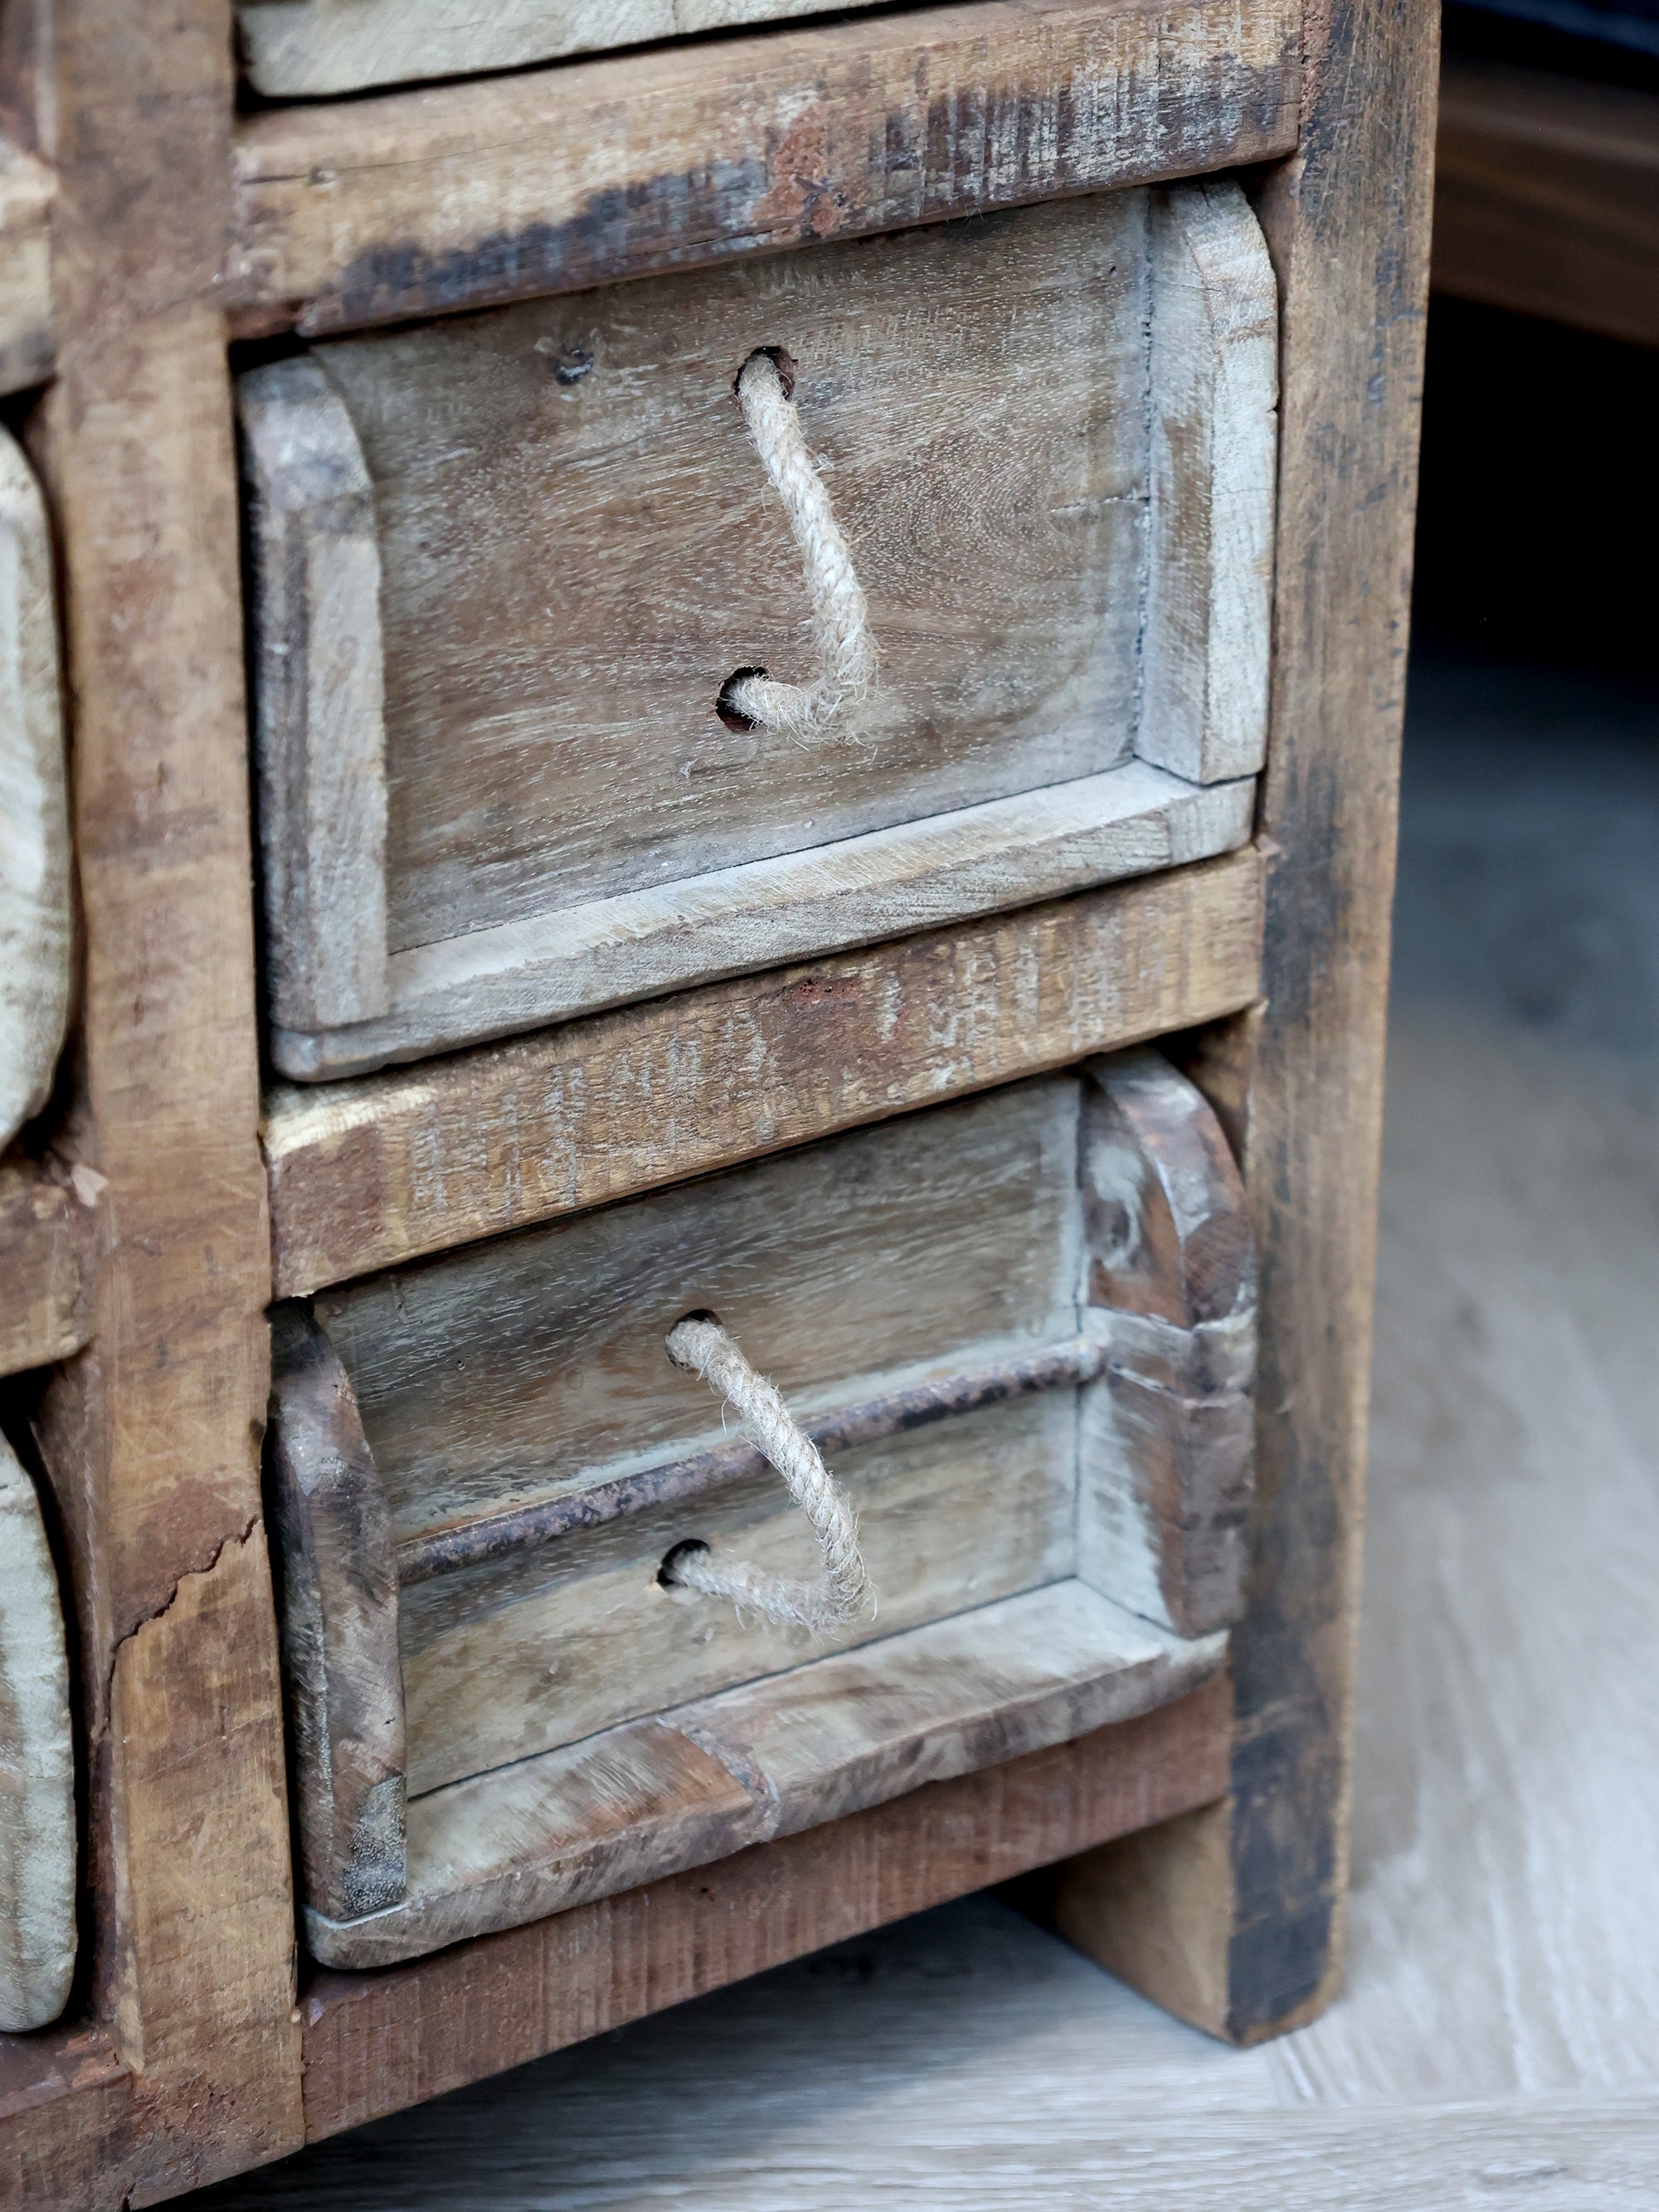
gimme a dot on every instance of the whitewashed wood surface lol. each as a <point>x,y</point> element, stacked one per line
<point>1498,2045</point>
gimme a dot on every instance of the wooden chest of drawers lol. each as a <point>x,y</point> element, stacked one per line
<point>732,708</point>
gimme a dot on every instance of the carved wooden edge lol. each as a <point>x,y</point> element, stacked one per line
<point>763,1759</point>
<point>1167,1438</point>
<point>338,1603</point>
<point>1163,1481</point>
<point>472,194</point>
<point>1131,820</point>
<point>315,48</point>
<point>36,924</point>
<point>315,604</point>
<point>365,1175</point>
<point>1214,375</point>
<point>27,349</point>
<point>50,1222</point>
<point>38,1833</point>
<point>341,1007</point>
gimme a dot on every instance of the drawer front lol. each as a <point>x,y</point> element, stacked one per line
<point>491,1380</point>
<point>1018,1327</point>
<point>302,48</point>
<point>508,565</point>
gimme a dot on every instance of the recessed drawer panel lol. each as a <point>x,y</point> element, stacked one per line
<point>1019,1330</point>
<point>517,576</point>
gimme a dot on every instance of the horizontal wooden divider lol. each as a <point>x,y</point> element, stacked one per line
<point>48,1248</point>
<point>376,2041</point>
<point>353,213</point>
<point>367,1173</point>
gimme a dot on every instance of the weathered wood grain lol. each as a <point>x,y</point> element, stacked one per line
<point>150,1436</point>
<point>375,2042</point>
<point>1257,1935</point>
<point>338,1588</point>
<point>314,584</point>
<point>316,48</point>
<point>500,1664</point>
<point>833,1737</point>
<point>536,1364</point>
<point>1132,820</point>
<point>35,916</point>
<point>1547,197</point>
<point>618,1810</point>
<point>533,1368</point>
<point>578,545</point>
<point>1213,384</point>
<point>849,1731</point>
<point>26,329</point>
<point>423,203</point>
<point>50,1228</point>
<point>1166,1437</point>
<point>369,1174</point>
<point>507,563</point>
<point>37,1768</point>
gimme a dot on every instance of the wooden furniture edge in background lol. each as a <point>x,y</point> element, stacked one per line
<point>1547,197</point>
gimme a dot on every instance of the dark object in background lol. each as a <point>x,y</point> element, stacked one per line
<point>1546,190</point>
<point>1541,442</point>
<point>1540,484</point>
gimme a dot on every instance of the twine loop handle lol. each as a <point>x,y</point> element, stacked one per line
<point>700,1344</point>
<point>841,616</point>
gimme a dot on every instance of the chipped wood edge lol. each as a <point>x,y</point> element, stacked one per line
<point>1214,383</point>
<point>338,1591</point>
<point>367,1174</point>
<point>38,1833</point>
<point>1166,1443</point>
<point>36,923</point>
<point>314,604</point>
<point>51,1224</point>
<point>26,344</point>
<point>473,194</point>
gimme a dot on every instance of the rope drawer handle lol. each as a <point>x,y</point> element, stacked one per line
<point>846,652</point>
<point>701,1346</point>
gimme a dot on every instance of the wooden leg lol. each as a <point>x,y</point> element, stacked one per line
<point>1233,1918</point>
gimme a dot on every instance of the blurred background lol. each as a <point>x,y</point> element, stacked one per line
<point>1499,2042</point>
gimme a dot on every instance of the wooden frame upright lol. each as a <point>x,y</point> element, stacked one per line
<point>193,2048</point>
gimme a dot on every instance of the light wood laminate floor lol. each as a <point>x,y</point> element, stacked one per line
<point>1498,2043</point>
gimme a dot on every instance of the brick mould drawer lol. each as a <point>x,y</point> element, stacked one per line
<point>553,714</point>
<point>1020,1329</point>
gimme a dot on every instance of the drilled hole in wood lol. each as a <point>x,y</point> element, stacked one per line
<point>781,359</point>
<point>666,1577</point>
<point>723,706</point>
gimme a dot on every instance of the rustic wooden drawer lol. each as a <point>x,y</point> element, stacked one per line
<point>507,567</point>
<point>1019,1328</point>
<point>298,49</point>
